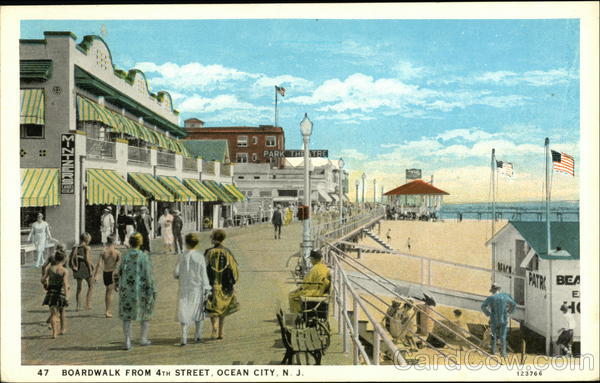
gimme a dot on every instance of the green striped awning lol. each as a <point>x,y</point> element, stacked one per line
<point>88,110</point>
<point>151,186</point>
<point>202,192</point>
<point>107,187</point>
<point>182,194</point>
<point>39,187</point>
<point>218,189</point>
<point>235,192</point>
<point>32,106</point>
<point>125,125</point>
<point>145,134</point>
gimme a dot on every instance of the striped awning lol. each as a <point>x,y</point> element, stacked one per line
<point>151,186</point>
<point>218,189</point>
<point>182,194</point>
<point>39,187</point>
<point>239,196</point>
<point>32,106</point>
<point>88,110</point>
<point>202,192</point>
<point>107,187</point>
<point>125,125</point>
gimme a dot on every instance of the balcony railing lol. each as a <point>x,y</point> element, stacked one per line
<point>165,159</point>
<point>209,167</point>
<point>190,164</point>
<point>138,155</point>
<point>226,170</point>
<point>100,149</point>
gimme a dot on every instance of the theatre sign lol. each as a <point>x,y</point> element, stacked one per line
<point>295,153</point>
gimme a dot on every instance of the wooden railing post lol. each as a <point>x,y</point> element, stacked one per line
<point>355,331</point>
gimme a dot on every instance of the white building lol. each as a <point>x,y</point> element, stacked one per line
<point>94,136</point>
<point>540,282</point>
<point>264,186</point>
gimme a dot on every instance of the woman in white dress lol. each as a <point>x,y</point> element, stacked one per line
<point>166,231</point>
<point>194,288</point>
<point>40,235</point>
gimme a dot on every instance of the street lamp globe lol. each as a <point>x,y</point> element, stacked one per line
<point>306,126</point>
<point>364,176</point>
<point>341,163</point>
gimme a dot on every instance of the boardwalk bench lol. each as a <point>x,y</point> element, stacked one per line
<point>299,340</point>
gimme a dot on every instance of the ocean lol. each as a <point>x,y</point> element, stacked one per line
<point>529,211</point>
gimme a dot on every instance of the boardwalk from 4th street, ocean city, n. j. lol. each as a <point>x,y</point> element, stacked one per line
<point>251,335</point>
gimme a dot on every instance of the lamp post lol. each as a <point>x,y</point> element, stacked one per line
<point>341,175</point>
<point>356,183</point>
<point>306,126</point>
<point>374,190</point>
<point>364,177</point>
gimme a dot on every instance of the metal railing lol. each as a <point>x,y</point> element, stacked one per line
<point>138,155</point>
<point>100,149</point>
<point>165,159</point>
<point>349,226</point>
<point>190,164</point>
<point>342,284</point>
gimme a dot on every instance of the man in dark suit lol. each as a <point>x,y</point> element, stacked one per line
<point>143,224</point>
<point>277,221</point>
<point>177,229</point>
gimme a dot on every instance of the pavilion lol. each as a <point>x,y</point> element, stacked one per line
<point>416,197</point>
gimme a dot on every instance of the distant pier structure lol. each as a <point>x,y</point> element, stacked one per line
<point>417,198</point>
<point>514,213</point>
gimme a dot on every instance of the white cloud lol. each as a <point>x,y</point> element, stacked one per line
<point>473,134</point>
<point>347,118</point>
<point>406,70</point>
<point>192,75</point>
<point>509,78</point>
<point>291,83</point>
<point>353,154</point>
<point>199,104</point>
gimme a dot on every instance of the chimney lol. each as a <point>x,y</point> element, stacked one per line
<point>431,182</point>
<point>193,123</point>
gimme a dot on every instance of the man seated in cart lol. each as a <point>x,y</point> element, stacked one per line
<point>315,284</point>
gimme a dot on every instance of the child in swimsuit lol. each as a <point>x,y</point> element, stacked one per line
<point>110,258</point>
<point>56,278</point>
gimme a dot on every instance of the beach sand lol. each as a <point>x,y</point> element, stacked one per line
<point>457,242</point>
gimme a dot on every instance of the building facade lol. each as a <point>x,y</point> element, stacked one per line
<point>94,136</point>
<point>261,144</point>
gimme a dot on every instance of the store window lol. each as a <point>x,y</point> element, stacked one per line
<point>242,141</point>
<point>241,158</point>
<point>254,157</point>
<point>271,141</point>
<point>32,131</point>
<point>29,215</point>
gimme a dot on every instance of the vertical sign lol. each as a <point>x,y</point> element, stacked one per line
<point>67,163</point>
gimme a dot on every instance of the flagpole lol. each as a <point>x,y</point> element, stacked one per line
<point>548,249</point>
<point>493,165</point>
<point>275,105</point>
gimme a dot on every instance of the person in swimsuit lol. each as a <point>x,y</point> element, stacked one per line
<point>109,258</point>
<point>60,248</point>
<point>81,263</point>
<point>56,279</point>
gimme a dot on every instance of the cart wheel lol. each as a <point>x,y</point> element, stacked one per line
<point>324,333</point>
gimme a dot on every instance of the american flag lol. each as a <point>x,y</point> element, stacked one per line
<point>563,163</point>
<point>505,168</point>
<point>280,90</point>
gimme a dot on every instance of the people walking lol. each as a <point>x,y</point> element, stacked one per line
<point>109,259</point>
<point>388,236</point>
<point>129,227</point>
<point>56,280</point>
<point>40,236</point>
<point>177,231</point>
<point>121,225</point>
<point>143,224</point>
<point>288,215</point>
<point>166,231</point>
<point>222,270</point>
<point>277,221</point>
<point>137,293</point>
<point>194,288</point>
<point>107,225</point>
<point>498,307</point>
<point>408,244</point>
<point>80,262</point>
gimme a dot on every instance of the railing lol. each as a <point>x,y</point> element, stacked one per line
<point>139,155</point>
<point>208,167</point>
<point>226,170</point>
<point>100,149</point>
<point>190,164</point>
<point>342,285</point>
<point>165,159</point>
<point>335,229</point>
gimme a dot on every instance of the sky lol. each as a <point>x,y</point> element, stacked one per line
<point>384,95</point>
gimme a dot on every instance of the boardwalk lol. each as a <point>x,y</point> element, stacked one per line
<point>251,335</point>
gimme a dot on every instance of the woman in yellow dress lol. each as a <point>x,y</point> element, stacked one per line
<point>222,270</point>
<point>288,216</point>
